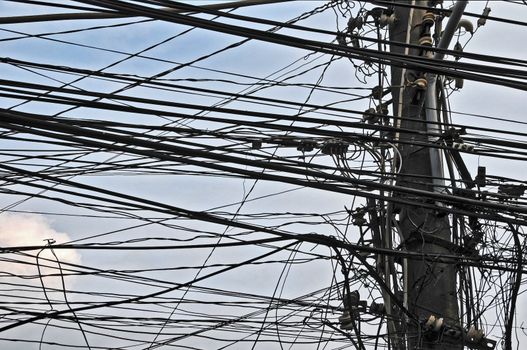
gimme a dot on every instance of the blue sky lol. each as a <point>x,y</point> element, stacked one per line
<point>203,193</point>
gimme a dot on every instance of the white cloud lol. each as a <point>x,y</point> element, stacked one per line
<point>29,230</point>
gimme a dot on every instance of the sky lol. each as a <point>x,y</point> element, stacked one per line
<point>31,220</point>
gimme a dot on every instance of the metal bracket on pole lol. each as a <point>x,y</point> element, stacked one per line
<point>431,94</point>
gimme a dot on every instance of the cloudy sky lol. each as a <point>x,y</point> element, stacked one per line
<point>307,273</point>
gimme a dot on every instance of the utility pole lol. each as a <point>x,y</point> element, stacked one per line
<point>430,292</point>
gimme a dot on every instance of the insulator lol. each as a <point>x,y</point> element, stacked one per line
<point>377,92</point>
<point>425,40</point>
<point>421,83</point>
<point>438,324</point>
<point>429,19</point>
<point>377,308</point>
<point>430,322</point>
<point>351,299</point>
<point>475,335</point>
<point>345,318</point>
<point>467,25</point>
<point>346,326</point>
<point>471,332</point>
<point>355,23</point>
<point>386,20</point>
<point>370,116</point>
<point>479,335</point>
<point>463,146</point>
<point>307,146</point>
<point>382,109</point>
<point>359,222</point>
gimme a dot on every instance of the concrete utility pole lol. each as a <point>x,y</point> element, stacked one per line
<point>429,288</point>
